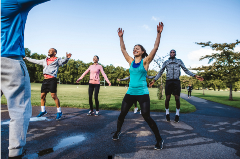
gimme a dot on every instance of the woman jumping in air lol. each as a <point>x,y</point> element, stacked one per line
<point>138,90</point>
<point>94,83</point>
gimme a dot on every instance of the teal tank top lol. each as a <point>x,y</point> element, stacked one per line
<point>138,83</point>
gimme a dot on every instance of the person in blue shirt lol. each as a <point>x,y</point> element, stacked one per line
<point>15,79</point>
<point>138,90</point>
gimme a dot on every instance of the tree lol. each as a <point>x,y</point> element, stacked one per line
<point>226,63</point>
<point>158,63</point>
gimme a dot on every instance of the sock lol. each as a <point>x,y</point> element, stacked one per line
<point>42,108</point>
<point>167,111</point>
<point>177,111</point>
<point>59,110</point>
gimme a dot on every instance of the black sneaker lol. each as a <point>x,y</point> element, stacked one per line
<point>168,117</point>
<point>176,119</point>
<point>159,145</point>
<point>16,157</point>
<point>116,135</point>
<point>90,113</point>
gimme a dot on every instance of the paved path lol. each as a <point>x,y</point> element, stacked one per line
<point>213,131</point>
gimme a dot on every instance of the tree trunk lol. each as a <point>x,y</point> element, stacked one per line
<point>230,94</point>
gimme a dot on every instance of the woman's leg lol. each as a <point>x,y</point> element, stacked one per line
<point>145,109</point>
<point>126,105</point>
<point>96,91</point>
<point>90,93</point>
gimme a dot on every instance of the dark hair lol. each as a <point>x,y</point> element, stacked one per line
<point>143,49</point>
<point>97,57</point>
<point>54,49</point>
<point>173,50</point>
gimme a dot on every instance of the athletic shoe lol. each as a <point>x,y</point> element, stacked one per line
<point>168,117</point>
<point>116,135</point>
<point>159,145</point>
<point>135,110</point>
<point>90,113</point>
<point>42,113</point>
<point>16,157</point>
<point>97,113</point>
<point>176,119</point>
<point>140,112</point>
<point>59,115</point>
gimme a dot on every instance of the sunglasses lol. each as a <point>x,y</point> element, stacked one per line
<point>172,52</point>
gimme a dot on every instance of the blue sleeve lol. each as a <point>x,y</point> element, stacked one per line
<point>30,3</point>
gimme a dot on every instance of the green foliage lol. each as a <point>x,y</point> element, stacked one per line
<point>225,66</point>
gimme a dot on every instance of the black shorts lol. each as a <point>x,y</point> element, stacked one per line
<point>130,99</point>
<point>49,85</point>
<point>172,87</point>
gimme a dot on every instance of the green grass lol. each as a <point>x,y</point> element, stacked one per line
<point>110,98</point>
<point>217,96</point>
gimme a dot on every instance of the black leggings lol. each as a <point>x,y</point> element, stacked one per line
<point>189,92</point>
<point>144,102</point>
<point>90,93</point>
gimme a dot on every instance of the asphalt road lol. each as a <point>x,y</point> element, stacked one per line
<point>213,131</point>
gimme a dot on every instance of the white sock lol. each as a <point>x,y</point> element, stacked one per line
<point>167,111</point>
<point>177,111</point>
<point>59,110</point>
<point>42,108</point>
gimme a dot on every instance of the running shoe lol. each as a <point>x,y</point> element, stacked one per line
<point>176,119</point>
<point>159,145</point>
<point>59,115</point>
<point>135,110</point>
<point>42,113</point>
<point>16,157</point>
<point>97,113</point>
<point>90,113</point>
<point>168,117</point>
<point>116,135</point>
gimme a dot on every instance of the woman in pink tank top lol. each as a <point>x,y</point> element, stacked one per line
<point>94,83</point>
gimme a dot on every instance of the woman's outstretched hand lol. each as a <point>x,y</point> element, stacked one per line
<point>118,80</point>
<point>68,55</point>
<point>120,32</point>
<point>160,27</point>
<point>151,83</point>
<point>109,84</point>
<point>77,80</point>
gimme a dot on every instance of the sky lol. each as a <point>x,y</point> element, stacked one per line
<point>89,27</point>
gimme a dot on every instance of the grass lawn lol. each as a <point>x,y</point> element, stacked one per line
<point>110,98</point>
<point>217,96</point>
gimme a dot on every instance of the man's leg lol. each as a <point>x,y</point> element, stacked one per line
<point>43,101</point>
<point>16,87</point>
<point>167,107</point>
<point>56,100</point>
<point>177,99</point>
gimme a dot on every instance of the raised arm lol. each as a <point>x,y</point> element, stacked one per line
<point>128,58</point>
<point>105,76</point>
<point>152,54</point>
<point>39,62</point>
<point>190,73</point>
<point>124,79</point>
<point>159,74</point>
<point>65,60</point>
<point>150,77</point>
<point>83,74</point>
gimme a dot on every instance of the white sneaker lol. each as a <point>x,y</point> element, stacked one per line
<point>135,110</point>
<point>140,112</point>
<point>97,113</point>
